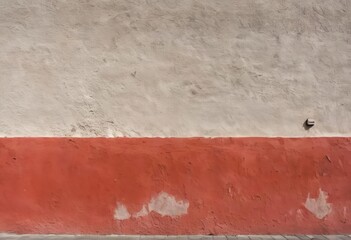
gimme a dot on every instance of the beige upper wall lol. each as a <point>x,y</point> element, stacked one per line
<point>175,68</point>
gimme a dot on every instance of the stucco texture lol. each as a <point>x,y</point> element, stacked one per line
<point>175,185</point>
<point>175,68</point>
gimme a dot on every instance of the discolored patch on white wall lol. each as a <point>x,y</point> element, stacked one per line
<point>319,207</point>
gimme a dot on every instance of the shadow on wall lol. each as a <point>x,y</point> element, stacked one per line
<point>307,126</point>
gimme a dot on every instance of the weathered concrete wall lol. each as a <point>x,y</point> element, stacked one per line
<point>175,68</point>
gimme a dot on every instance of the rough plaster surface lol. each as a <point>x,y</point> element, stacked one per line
<point>175,68</point>
<point>175,185</point>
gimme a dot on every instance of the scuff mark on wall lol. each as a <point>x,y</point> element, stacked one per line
<point>163,204</point>
<point>319,207</point>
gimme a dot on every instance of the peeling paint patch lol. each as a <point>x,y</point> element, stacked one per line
<point>143,212</point>
<point>319,207</point>
<point>163,204</point>
<point>166,205</point>
<point>121,212</point>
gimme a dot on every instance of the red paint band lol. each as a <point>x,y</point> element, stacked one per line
<point>232,185</point>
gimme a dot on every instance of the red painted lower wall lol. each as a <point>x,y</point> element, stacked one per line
<point>225,185</point>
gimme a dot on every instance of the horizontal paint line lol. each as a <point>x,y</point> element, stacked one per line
<point>175,185</point>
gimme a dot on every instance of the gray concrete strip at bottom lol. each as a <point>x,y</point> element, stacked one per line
<point>175,237</point>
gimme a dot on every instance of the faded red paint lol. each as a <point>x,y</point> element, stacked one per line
<point>233,185</point>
